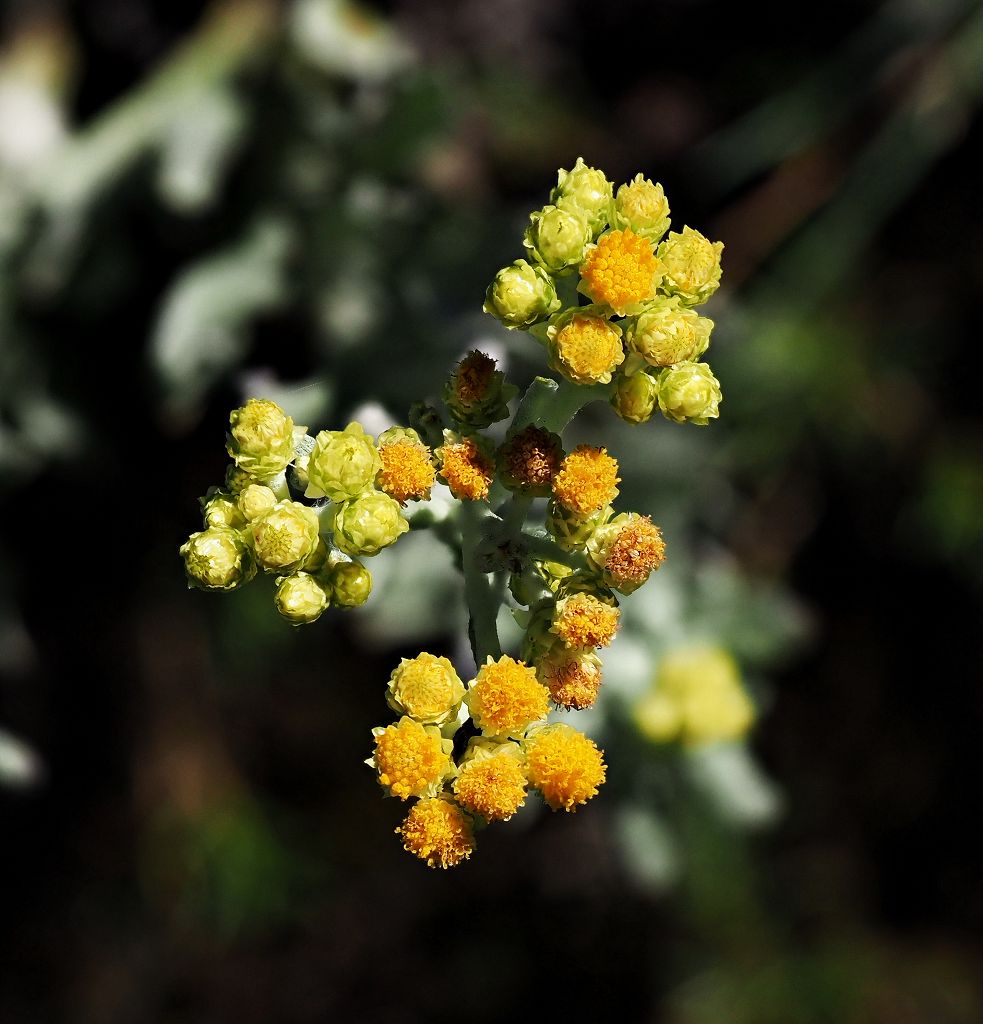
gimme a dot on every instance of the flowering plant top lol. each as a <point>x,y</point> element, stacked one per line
<point>611,295</point>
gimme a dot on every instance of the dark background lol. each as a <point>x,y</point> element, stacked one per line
<point>204,843</point>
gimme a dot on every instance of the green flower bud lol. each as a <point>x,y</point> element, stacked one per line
<point>261,438</point>
<point>689,393</point>
<point>692,265</point>
<point>642,207</point>
<point>367,524</point>
<point>569,530</point>
<point>586,191</point>
<point>538,639</point>
<point>342,464</point>
<point>527,586</point>
<point>218,508</point>
<point>667,333</point>
<point>477,394</point>
<point>349,583</point>
<point>635,397</point>
<point>300,598</point>
<point>256,500</point>
<point>316,561</point>
<point>217,559</point>
<point>285,537</point>
<point>521,295</point>
<point>556,239</point>
<point>236,479</point>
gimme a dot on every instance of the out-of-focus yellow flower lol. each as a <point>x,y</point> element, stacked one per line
<point>697,698</point>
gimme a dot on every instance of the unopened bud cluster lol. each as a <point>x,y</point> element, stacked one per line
<point>642,282</point>
<point>305,510</point>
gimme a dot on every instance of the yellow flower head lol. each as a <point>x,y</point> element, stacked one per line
<point>587,481</point>
<point>584,347</point>
<point>583,620</point>
<point>692,266</point>
<point>411,759</point>
<point>491,780</point>
<point>472,377</point>
<point>505,698</point>
<point>426,688</point>
<point>621,271</point>
<point>564,765</point>
<point>572,677</point>
<point>438,832</point>
<point>698,698</point>
<point>627,550</point>
<point>529,460</point>
<point>407,472</point>
<point>466,469</point>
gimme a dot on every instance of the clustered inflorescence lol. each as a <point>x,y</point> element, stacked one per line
<point>307,510</point>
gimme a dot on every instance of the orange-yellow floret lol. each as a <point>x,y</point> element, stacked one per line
<point>472,376</point>
<point>407,472</point>
<point>621,271</point>
<point>530,459</point>
<point>493,786</point>
<point>412,759</point>
<point>583,620</point>
<point>564,765</point>
<point>585,348</point>
<point>466,470</point>
<point>505,697</point>
<point>636,552</point>
<point>438,832</point>
<point>573,679</point>
<point>426,688</point>
<point>587,481</point>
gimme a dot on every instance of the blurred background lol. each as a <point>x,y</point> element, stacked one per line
<point>306,200</point>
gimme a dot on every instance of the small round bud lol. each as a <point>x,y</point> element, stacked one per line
<point>585,190</point>
<point>556,238</point>
<point>342,464</point>
<point>218,508</point>
<point>667,333</point>
<point>236,479</point>
<point>285,537</point>
<point>350,584</point>
<point>477,394</point>
<point>528,461</point>
<point>689,393</point>
<point>217,559</point>
<point>261,438</point>
<point>315,561</point>
<point>584,347</point>
<point>692,264</point>
<point>641,206</point>
<point>256,500</point>
<point>635,398</point>
<point>521,295</point>
<point>367,524</point>
<point>571,531</point>
<point>300,599</point>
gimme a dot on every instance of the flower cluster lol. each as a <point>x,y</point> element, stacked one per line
<point>468,755</point>
<point>305,509</point>
<point>639,329</point>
